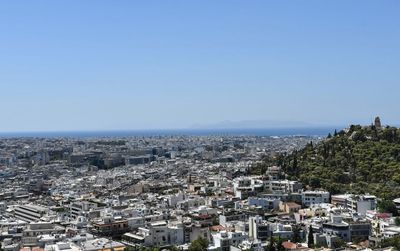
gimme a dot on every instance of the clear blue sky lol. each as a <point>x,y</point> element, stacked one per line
<point>90,65</point>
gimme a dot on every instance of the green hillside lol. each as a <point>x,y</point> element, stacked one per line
<point>358,159</point>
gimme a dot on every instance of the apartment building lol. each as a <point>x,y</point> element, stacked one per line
<point>309,198</point>
<point>30,213</point>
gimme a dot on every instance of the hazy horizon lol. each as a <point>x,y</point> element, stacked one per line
<point>218,127</point>
<point>269,132</point>
<point>106,65</point>
<point>221,125</point>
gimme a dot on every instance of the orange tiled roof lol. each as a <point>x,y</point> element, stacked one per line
<point>289,245</point>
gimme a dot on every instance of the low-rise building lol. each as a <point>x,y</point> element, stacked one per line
<point>30,213</point>
<point>224,240</point>
<point>309,198</point>
<point>109,226</point>
<point>263,203</point>
<point>289,207</point>
<point>356,203</point>
<point>34,230</point>
<point>160,234</point>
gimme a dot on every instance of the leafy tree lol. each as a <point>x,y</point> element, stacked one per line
<point>397,221</point>
<point>215,221</point>
<point>128,248</point>
<point>195,246</point>
<point>387,206</point>
<point>199,244</point>
<point>338,243</point>
<point>296,234</point>
<point>279,246</point>
<point>391,242</point>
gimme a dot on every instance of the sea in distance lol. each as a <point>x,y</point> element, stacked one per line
<point>303,131</point>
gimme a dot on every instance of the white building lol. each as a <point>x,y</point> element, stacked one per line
<point>309,198</point>
<point>223,240</point>
<point>265,203</point>
<point>81,208</point>
<point>397,203</point>
<point>175,198</point>
<point>284,186</point>
<point>136,222</point>
<point>249,245</point>
<point>33,230</point>
<point>160,234</point>
<point>356,203</point>
<point>245,185</point>
<point>62,246</point>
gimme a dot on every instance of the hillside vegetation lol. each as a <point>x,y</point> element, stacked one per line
<point>358,159</point>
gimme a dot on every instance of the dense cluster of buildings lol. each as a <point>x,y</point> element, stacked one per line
<point>108,194</point>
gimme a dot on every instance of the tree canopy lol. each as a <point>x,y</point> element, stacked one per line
<point>199,244</point>
<point>358,159</point>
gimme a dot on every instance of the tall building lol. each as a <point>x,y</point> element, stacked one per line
<point>258,228</point>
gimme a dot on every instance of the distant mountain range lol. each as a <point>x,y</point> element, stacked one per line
<point>256,124</point>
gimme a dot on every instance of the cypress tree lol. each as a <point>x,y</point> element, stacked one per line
<point>310,237</point>
<point>271,246</point>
